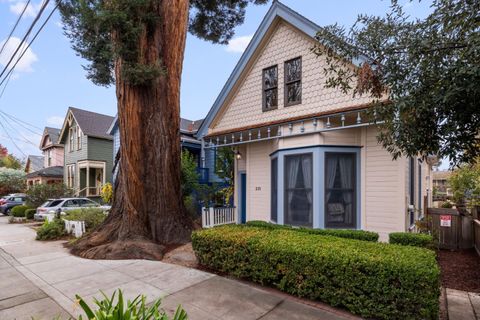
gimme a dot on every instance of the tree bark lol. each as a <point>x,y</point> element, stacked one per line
<point>147,211</point>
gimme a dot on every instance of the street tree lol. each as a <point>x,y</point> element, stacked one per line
<point>138,45</point>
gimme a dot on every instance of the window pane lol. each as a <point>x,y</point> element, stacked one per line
<point>271,98</point>
<point>274,196</point>
<point>340,201</point>
<point>294,92</point>
<point>293,70</point>
<point>270,78</point>
<point>298,190</point>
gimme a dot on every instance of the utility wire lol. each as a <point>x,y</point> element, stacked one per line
<point>39,14</point>
<point>15,26</point>
<point>18,132</point>
<point>11,139</point>
<point>29,44</point>
<point>22,123</point>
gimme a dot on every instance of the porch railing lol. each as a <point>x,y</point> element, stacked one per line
<point>89,192</point>
<point>212,217</point>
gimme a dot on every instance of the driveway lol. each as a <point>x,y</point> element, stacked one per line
<point>40,279</point>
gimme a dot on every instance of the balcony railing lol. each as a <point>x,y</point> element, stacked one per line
<point>212,217</point>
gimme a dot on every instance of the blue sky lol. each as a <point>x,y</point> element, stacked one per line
<point>50,77</point>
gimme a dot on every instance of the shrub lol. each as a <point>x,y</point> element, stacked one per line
<point>341,233</point>
<point>19,211</point>
<point>92,217</point>
<point>39,193</point>
<point>411,239</point>
<point>447,205</point>
<point>11,180</point>
<point>51,230</point>
<point>29,213</point>
<point>111,308</point>
<point>373,280</point>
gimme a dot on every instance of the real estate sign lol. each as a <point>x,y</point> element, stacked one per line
<point>445,221</point>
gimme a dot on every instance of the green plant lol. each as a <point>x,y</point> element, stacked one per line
<point>447,205</point>
<point>39,193</point>
<point>374,280</point>
<point>51,230</point>
<point>93,217</point>
<point>465,184</point>
<point>118,309</point>
<point>29,213</point>
<point>19,211</point>
<point>11,180</point>
<point>341,233</point>
<point>411,239</point>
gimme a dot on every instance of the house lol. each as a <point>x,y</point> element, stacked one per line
<point>188,141</point>
<point>441,187</point>
<point>307,155</point>
<point>51,169</point>
<point>88,160</point>
<point>34,163</point>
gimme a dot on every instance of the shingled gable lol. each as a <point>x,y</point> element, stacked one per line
<point>53,134</point>
<point>92,124</point>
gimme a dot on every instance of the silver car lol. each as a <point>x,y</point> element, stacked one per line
<point>66,204</point>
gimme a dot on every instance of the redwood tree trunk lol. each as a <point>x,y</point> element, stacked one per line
<point>148,212</point>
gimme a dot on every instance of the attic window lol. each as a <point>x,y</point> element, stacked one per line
<point>270,88</point>
<point>293,81</point>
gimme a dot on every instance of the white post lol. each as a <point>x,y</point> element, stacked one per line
<point>212,217</point>
<point>88,180</point>
<point>204,218</point>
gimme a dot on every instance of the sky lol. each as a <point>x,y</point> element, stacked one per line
<point>50,76</point>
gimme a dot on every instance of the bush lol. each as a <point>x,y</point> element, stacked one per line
<point>92,217</point>
<point>341,233</point>
<point>447,205</point>
<point>373,280</point>
<point>39,193</point>
<point>115,307</point>
<point>29,213</point>
<point>51,230</point>
<point>411,239</point>
<point>11,180</point>
<point>19,211</point>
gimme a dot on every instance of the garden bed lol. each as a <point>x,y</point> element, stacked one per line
<point>460,270</point>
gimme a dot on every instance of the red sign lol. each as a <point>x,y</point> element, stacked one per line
<point>445,221</point>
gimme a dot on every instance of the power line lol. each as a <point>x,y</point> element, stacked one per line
<point>28,46</point>
<point>18,132</point>
<point>15,26</point>
<point>39,14</point>
<point>22,123</point>
<point>11,139</point>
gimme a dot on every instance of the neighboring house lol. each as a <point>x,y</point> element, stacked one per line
<point>51,170</point>
<point>88,151</point>
<point>441,188</point>
<point>188,140</point>
<point>306,155</point>
<point>34,163</point>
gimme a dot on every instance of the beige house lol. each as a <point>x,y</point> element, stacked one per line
<point>50,165</point>
<point>307,155</point>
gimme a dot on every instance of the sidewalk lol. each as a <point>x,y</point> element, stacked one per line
<point>43,279</point>
<point>463,305</point>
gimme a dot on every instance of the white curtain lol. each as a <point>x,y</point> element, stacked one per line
<point>307,178</point>
<point>346,179</point>
<point>293,164</point>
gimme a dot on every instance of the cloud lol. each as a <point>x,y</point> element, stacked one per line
<point>30,12</point>
<point>25,64</point>
<point>238,44</point>
<point>55,121</point>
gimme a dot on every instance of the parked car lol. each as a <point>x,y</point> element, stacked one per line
<point>66,204</point>
<point>3,199</point>
<point>11,202</point>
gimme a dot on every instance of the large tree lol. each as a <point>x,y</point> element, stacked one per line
<point>427,70</point>
<point>138,45</point>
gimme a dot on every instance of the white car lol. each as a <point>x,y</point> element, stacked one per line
<point>66,204</point>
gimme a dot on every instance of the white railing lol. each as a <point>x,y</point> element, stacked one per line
<point>212,217</point>
<point>77,228</point>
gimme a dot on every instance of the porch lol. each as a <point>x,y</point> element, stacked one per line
<point>92,176</point>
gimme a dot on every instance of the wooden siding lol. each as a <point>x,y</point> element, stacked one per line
<point>244,106</point>
<point>72,157</point>
<point>101,150</point>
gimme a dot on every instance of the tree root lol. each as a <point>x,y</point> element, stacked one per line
<point>120,249</point>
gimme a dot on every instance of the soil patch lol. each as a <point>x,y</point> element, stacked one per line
<point>460,269</point>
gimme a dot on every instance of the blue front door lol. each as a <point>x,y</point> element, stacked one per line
<point>243,197</point>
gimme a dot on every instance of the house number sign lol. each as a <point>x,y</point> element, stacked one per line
<point>445,221</point>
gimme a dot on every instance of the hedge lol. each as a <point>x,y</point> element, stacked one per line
<point>341,233</point>
<point>411,239</point>
<point>373,280</point>
<point>30,213</point>
<point>92,217</point>
<point>19,211</point>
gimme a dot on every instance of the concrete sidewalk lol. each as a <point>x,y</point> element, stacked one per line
<point>41,279</point>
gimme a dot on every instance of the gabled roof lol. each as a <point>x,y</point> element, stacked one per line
<point>34,163</point>
<point>91,123</point>
<point>277,11</point>
<point>53,133</point>
<point>53,172</point>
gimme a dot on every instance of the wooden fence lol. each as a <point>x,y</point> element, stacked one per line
<point>476,233</point>
<point>451,229</point>
<point>212,217</point>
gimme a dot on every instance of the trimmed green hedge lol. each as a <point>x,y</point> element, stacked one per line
<point>29,213</point>
<point>19,211</point>
<point>411,239</point>
<point>373,280</point>
<point>341,233</point>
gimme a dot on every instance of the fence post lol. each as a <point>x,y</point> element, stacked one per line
<point>211,216</point>
<point>204,217</point>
